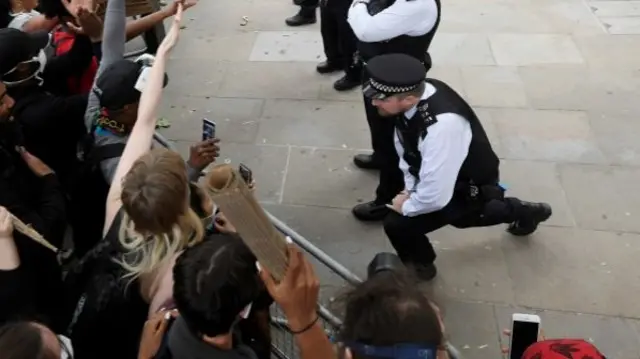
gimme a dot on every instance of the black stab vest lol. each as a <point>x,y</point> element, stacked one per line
<point>480,167</point>
<point>415,46</point>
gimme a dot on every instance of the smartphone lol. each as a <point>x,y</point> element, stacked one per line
<point>246,173</point>
<point>525,329</point>
<point>208,129</point>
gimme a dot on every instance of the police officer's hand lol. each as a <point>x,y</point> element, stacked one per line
<point>222,224</point>
<point>153,332</point>
<point>38,167</point>
<point>204,153</point>
<point>398,201</point>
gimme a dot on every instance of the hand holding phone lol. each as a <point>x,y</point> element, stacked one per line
<point>246,174</point>
<point>208,129</point>
<point>525,329</point>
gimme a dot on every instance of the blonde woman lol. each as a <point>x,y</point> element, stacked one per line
<point>147,221</point>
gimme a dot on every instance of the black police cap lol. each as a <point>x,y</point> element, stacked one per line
<point>393,74</point>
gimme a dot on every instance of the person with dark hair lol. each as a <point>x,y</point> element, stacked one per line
<point>451,173</point>
<point>389,313</point>
<point>306,15</point>
<point>22,15</point>
<point>33,340</point>
<point>215,284</point>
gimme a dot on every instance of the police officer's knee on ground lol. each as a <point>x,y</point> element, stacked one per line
<point>451,173</point>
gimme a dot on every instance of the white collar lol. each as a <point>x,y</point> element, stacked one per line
<point>429,90</point>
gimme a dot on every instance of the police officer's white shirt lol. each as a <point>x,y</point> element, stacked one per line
<point>443,151</point>
<point>412,18</point>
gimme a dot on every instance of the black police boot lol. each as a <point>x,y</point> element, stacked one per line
<point>346,83</point>
<point>538,213</point>
<point>426,272</point>
<point>370,211</point>
<point>327,67</point>
<point>303,17</point>
<point>366,162</point>
<point>352,78</point>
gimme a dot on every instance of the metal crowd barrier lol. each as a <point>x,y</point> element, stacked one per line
<point>283,344</point>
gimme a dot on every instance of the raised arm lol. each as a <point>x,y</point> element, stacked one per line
<point>141,136</point>
<point>113,41</point>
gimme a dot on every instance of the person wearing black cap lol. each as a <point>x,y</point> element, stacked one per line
<point>50,126</point>
<point>113,102</point>
<point>451,173</point>
<point>383,27</point>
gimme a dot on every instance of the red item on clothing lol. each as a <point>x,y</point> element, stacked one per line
<point>562,349</point>
<point>63,41</point>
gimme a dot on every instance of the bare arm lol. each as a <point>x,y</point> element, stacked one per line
<point>141,136</point>
<point>39,23</point>
<point>137,27</point>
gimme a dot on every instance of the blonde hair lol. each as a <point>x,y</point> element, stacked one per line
<point>157,221</point>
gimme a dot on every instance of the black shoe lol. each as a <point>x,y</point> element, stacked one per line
<point>346,83</point>
<point>327,67</point>
<point>426,272</point>
<point>538,213</point>
<point>299,20</point>
<point>366,162</point>
<point>370,211</point>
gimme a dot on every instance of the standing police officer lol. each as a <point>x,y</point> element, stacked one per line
<point>383,27</point>
<point>450,171</point>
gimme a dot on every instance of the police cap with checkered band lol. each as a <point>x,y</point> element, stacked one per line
<point>393,74</point>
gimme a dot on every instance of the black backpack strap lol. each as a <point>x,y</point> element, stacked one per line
<point>105,152</point>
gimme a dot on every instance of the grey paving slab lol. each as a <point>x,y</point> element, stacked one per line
<point>615,8</point>
<point>220,47</point>
<point>494,86</point>
<point>570,17</point>
<point>327,178</point>
<point>267,163</point>
<point>288,46</point>
<point>451,75</point>
<point>472,328</point>
<point>616,136</point>
<point>471,265</point>
<point>534,49</point>
<point>461,49</point>
<point>608,53</point>
<point>622,25</point>
<point>614,337</point>
<point>333,124</point>
<point>582,88</point>
<point>292,80</point>
<point>237,120</point>
<point>538,182</point>
<point>195,77</point>
<point>575,270</point>
<point>563,136</point>
<point>603,197</point>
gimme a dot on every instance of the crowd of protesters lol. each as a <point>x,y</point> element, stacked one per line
<point>151,269</point>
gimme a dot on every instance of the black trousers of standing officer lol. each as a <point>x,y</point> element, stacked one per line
<point>338,39</point>
<point>307,7</point>
<point>407,234</point>
<point>391,179</point>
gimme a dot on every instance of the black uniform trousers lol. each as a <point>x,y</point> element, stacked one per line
<point>408,234</point>
<point>391,179</point>
<point>338,39</point>
<point>307,7</point>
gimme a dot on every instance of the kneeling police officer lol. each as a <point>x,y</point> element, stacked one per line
<point>451,173</point>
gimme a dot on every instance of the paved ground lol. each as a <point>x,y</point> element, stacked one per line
<point>556,83</point>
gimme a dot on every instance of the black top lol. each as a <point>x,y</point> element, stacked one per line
<point>392,74</point>
<point>110,321</point>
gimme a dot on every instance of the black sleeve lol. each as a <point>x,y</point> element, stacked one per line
<point>76,60</point>
<point>49,218</point>
<point>15,293</point>
<point>97,50</point>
